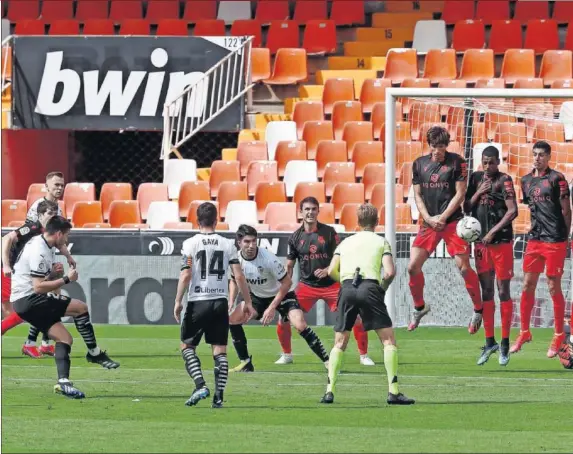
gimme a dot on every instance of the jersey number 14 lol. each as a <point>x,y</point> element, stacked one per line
<point>215,264</point>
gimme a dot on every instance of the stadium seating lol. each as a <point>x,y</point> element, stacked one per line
<point>13,211</point>
<point>148,193</point>
<point>196,10</point>
<point>468,34</point>
<point>492,10</point>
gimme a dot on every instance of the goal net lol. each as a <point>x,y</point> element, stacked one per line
<point>511,120</point>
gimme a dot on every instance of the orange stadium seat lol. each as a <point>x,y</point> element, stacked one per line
<point>477,64</point>
<point>268,192</point>
<point>223,171</point>
<point>30,27</point>
<point>200,10</point>
<point>178,226</point>
<point>373,175</point>
<point>13,210</point>
<point>60,9</point>
<point>407,151</point>
<point>23,9</point>
<point>192,213</point>
<point>403,214</point>
<point>98,26</point>
<point>260,63</point>
<point>133,225</point>
<point>319,37</point>
<point>338,172</point>
<point>78,192</point>
<point>398,6</point>
<point>349,216</point>
<point>280,213</point>
<point>162,9</point>
<point>134,27</point>
<point>405,176</point>
<point>326,213</point>
<point>189,191</point>
<point>337,89</point>
<point>209,27</point>
<point>229,191</point>
<point>289,67</point>
<point>124,212</point>
<point>251,151</point>
<point>125,9</point>
<point>347,12</point>
<point>315,131</point>
<point>91,10</point>
<point>440,64</point>
<point>304,190</point>
<point>310,10</point>
<point>557,102</point>
<point>378,117</point>
<point>529,10</point>
<point>508,133</point>
<point>373,91</point>
<point>458,10</point>
<point>261,171</point>
<point>493,119</point>
<point>523,219</point>
<point>146,194</point>
<point>114,191</point>
<point>343,193</point>
<point>222,226</point>
<point>518,64</point>
<point>378,195</point>
<point>15,223</point>
<point>306,111</point>
<point>519,159</point>
<point>412,83</point>
<point>35,191</point>
<point>289,227</point>
<point>402,131</point>
<point>504,35</point>
<point>282,34</point>
<point>556,65</point>
<point>97,225</point>
<point>356,131</point>
<point>401,64</point>
<point>85,212</point>
<point>64,27</point>
<point>563,12</point>
<point>271,10</point>
<point>329,151</point>
<point>549,131</point>
<point>172,27</point>
<point>342,112</point>
<point>367,152</point>
<point>541,35</point>
<point>469,34</point>
<point>421,113</point>
<point>248,27</point>
<point>491,10</point>
<point>289,150</point>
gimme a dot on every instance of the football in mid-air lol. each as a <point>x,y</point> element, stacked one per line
<point>469,229</point>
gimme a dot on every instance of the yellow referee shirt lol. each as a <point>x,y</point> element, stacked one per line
<point>362,250</point>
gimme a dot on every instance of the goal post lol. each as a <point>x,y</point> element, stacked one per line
<point>510,119</point>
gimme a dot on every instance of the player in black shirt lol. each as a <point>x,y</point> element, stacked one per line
<point>313,245</point>
<point>491,200</point>
<point>547,193</point>
<point>440,182</point>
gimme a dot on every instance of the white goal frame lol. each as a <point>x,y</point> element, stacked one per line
<point>392,95</point>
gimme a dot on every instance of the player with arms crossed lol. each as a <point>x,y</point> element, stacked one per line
<point>358,263</point>
<point>269,285</point>
<point>547,193</point>
<point>491,200</point>
<point>313,244</point>
<point>36,276</point>
<point>12,245</point>
<point>440,182</point>
<point>204,272</point>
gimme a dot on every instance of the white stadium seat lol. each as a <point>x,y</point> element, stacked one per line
<point>241,212</point>
<point>299,172</point>
<point>161,212</point>
<point>277,131</point>
<point>430,34</point>
<point>177,171</point>
<point>230,11</point>
<point>338,228</point>
<point>566,115</point>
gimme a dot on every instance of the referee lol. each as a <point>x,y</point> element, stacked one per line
<point>357,263</point>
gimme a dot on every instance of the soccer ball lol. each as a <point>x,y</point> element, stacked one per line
<point>469,229</point>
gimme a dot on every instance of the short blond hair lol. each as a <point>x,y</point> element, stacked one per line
<point>367,216</point>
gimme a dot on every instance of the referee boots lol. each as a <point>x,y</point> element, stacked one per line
<point>399,399</point>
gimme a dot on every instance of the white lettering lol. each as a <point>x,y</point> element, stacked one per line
<point>52,76</point>
<point>272,245</point>
<point>112,89</point>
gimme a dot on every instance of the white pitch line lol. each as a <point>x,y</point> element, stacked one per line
<point>176,341</point>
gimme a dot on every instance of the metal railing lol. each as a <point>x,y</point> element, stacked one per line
<point>6,63</point>
<point>205,99</point>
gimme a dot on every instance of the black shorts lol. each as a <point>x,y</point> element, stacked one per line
<point>209,317</point>
<point>289,303</point>
<point>42,310</point>
<point>366,300</point>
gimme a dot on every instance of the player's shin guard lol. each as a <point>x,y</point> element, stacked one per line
<point>284,334</point>
<point>86,330</point>
<point>314,343</point>
<point>221,374</point>
<point>559,311</point>
<point>506,309</point>
<point>62,356</point>
<point>10,322</point>
<point>193,366</point>
<point>391,365</point>
<point>473,287</point>
<point>525,308</point>
<point>32,335</point>
<point>334,366</point>
<point>361,337</point>
<point>416,284</point>
<point>488,319</point>
<point>239,341</point>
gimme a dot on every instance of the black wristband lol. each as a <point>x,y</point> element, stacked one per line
<point>66,280</point>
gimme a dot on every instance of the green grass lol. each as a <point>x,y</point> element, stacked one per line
<point>140,407</point>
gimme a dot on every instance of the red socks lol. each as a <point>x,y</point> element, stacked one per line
<point>506,309</point>
<point>488,318</point>
<point>361,337</point>
<point>559,312</point>
<point>14,320</point>
<point>525,308</point>
<point>284,334</point>
<point>473,287</point>
<point>417,289</point>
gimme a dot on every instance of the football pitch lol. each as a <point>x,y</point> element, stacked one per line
<point>140,407</point>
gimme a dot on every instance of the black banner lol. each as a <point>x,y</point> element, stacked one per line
<point>114,83</point>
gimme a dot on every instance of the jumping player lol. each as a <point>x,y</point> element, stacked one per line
<point>440,181</point>
<point>313,244</point>
<point>491,200</point>
<point>547,193</point>
<point>269,285</point>
<point>36,276</point>
<point>358,263</point>
<point>204,274</point>
<point>55,184</point>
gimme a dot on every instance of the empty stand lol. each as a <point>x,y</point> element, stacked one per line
<point>458,10</point>
<point>492,10</point>
<point>373,174</point>
<point>124,212</point>
<point>518,64</point>
<point>319,37</point>
<point>440,64</point>
<point>289,150</point>
<point>330,151</point>
<point>282,34</point>
<point>223,171</point>
<point>241,212</point>
<point>430,34</point>
<point>367,152</point>
<point>289,67</point>
<point>541,35</point>
<point>280,213</point>
<point>347,12</point>
<point>356,131</point>
<point>162,9</point>
<point>251,151</point>
<point>86,212</point>
<point>125,9</point>
<point>98,26</point>
<point>230,11</point>
<point>268,192</point>
<point>304,190</point>
<point>172,27</point>
<point>326,213</point>
<point>531,10</point>
<point>307,111</point>
<point>91,10</point>
<point>176,171</point>
<point>64,27</point>
<point>114,191</point>
<point>504,35</point>
<point>338,172</point>
<point>261,171</point>
<point>344,193</point>
<point>315,131</point>
<point>349,216</point>
<point>190,191</point>
<point>477,64</point>
<point>229,191</point>
<point>372,92</point>
<point>278,131</point>
<point>200,10</point>
<point>563,12</point>
<point>378,194</point>
<point>137,27</point>
<point>209,27</point>
<point>178,225</point>
<point>469,34</point>
<point>299,172</point>
<point>248,27</point>
<point>378,117</point>
<point>401,64</point>
<point>272,10</point>
<point>13,211</point>
<point>337,89</point>
<point>148,193</point>
<point>310,10</point>
<point>30,27</point>
<point>78,192</point>
<point>342,112</point>
<point>556,65</point>
<point>260,64</point>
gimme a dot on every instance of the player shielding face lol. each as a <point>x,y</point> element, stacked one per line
<point>36,277</point>
<point>547,193</point>
<point>358,263</point>
<point>205,278</point>
<point>269,286</point>
<point>491,200</point>
<point>313,245</point>
<point>440,182</point>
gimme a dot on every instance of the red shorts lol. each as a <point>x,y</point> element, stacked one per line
<point>6,287</point>
<point>538,254</point>
<point>428,239</point>
<point>496,257</point>
<point>308,296</point>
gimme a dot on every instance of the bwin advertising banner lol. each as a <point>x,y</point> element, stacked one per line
<point>114,83</point>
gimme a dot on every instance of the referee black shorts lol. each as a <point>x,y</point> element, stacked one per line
<point>42,310</point>
<point>366,300</point>
<point>209,318</point>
